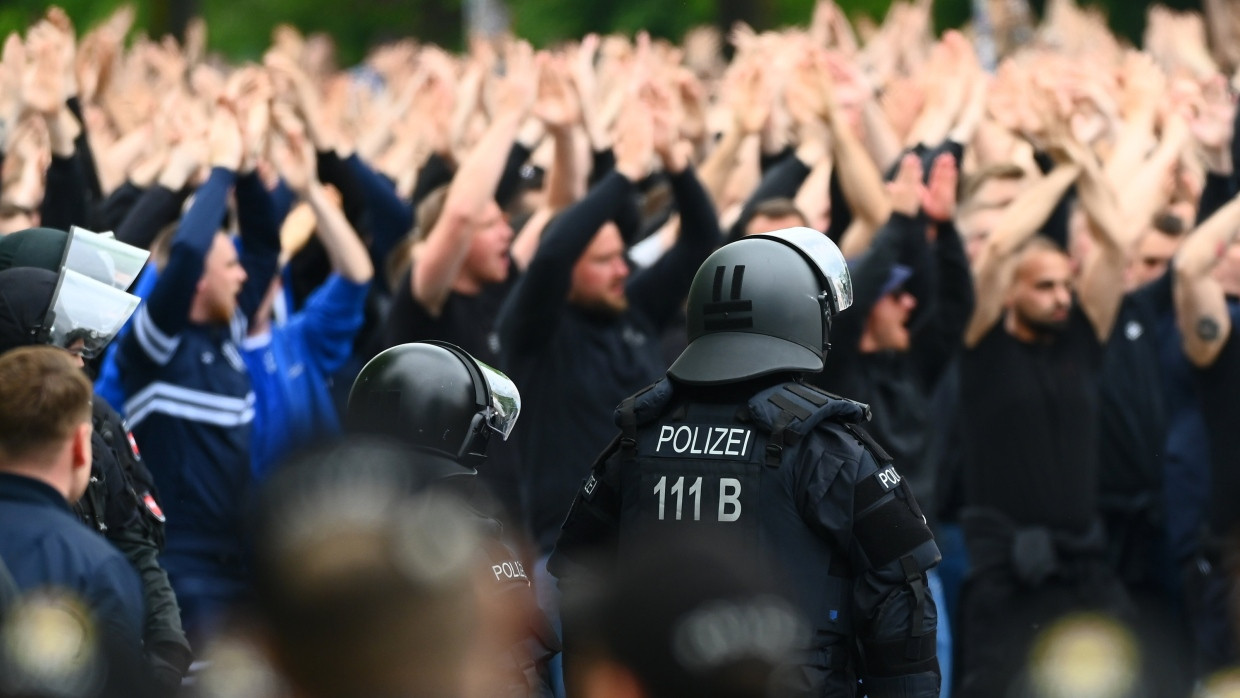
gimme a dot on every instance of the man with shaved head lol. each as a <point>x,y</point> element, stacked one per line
<point>1029,423</point>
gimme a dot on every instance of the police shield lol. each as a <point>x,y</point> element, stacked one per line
<point>103,258</point>
<point>85,314</point>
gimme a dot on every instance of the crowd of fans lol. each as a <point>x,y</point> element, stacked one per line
<point>1041,223</point>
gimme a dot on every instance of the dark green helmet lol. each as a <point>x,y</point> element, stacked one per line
<point>761,305</point>
<point>435,397</point>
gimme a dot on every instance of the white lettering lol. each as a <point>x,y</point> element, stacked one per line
<point>696,492</point>
<point>678,489</point>
<point>729,499</point>
<point>714,445</point>
<point>734,439</point>
<point>694,449</point>
<point>665,435</point>
<point>889,478</point>
<point>661,490</point>
<point>676,440</point>
<point>745,448</point>
<point>509,570</point>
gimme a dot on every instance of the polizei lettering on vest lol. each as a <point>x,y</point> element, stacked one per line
<point>703,441</point>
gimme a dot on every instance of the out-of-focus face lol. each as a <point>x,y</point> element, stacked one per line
<point>1150,259</point>
<point>487,259</point>
<point>1040,297</point>
<point>886,326</point>
<point>767,224</point>
<point>222,278</point>
<point>601,272</point>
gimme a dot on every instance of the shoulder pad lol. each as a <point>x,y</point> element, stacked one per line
<point>808,404</point>
<point>647,404</point>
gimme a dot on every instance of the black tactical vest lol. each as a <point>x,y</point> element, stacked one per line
<point>740,468</point>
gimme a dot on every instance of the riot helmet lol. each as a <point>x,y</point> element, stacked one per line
<point>98,256</point>
<point>67,310</point>
<point>762,305</point>
<point>434,397</point>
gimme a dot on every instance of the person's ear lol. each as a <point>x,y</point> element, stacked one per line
<point>81,450</point>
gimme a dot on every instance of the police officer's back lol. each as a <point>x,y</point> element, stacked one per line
<point>733,439</point>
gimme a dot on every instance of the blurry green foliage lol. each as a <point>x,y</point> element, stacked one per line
<point>242,29</point>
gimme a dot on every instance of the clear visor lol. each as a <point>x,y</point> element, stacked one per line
<point>87,314</point>
<point>505,404</point>
<point>104,258</point>
<point>819,249</point>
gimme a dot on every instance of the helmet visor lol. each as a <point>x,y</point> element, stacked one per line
<point>823,253</point>
<point>104,258</point>
<point>86,314</point>
<point>505,401</point>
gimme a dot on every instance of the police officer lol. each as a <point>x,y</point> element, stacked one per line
<point>120,502</point>
<point>445,405</point>
<point>734,439</point>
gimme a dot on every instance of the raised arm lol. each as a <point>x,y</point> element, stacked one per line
<point>439,260</point>
<point>1100,287</point>
<point>559,109</point>
<point>349,257</point>
<point>532,310</point>
<point>1020,221</point>
<point>166,311</point>
<point>659,289</point>
<point>1200,302</point>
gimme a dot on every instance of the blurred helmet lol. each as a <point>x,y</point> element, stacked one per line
<point>435,397</point>
<point>761,305</point>
<point>99,256</point>
<point>67,310</point>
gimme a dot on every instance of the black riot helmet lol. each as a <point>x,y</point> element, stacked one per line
<point>761,305</point>
<point>434,397</point>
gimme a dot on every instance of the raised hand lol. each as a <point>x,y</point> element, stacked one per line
<point>750,98</point>
<point>293,157</point>
<point>1213,120</point>
<point>906,190</point>
<point>557,104</point>
<point>634,140</point>
<point>938,199</point>
<point>12,70</point>
<point>225,144</point>
<point>42,90</point>
<point>515,92</point>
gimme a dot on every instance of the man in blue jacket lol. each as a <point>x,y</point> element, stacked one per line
<point>189,400</point>
<point>45,459</point>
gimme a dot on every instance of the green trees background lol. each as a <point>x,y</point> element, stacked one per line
<point>241,29</point>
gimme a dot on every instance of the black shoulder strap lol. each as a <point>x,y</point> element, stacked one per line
<point>628,427</point>
<point>789,413</point>
<point>868,441</point>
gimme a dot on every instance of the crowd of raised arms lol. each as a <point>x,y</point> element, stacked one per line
<point>1040,222</point>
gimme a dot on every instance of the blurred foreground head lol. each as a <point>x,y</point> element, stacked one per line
<point>695,616</point>
<point>366,588</point>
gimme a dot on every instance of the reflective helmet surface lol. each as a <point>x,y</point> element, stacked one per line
<point>435,397</point>
<point>761,305</point>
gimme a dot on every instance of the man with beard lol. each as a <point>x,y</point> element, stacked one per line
<point>1029,423</point>
<point>190,403</point>
<point>581,333</point>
